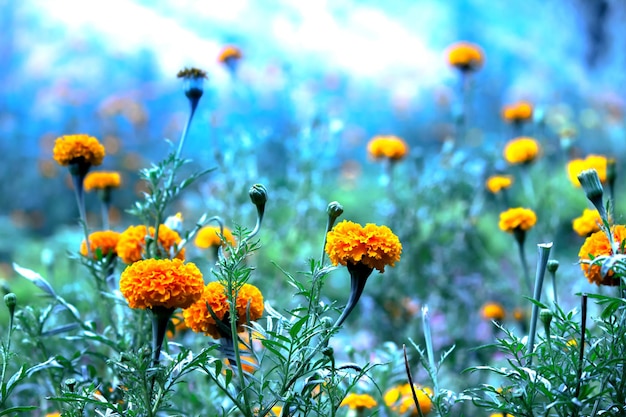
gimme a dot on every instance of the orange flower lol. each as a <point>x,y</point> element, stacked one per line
<point>101,180</point>
<point>598,245</point>
<point>209,236</point>
<point>497,183</point>
<point>518,112</point>
<point>391,147</point>
<point>492,311</point>
<point>517,218</point>
<point>521,150</point>
<point>104,242</point>
<point>131,246</point>
<point>161,283</point>
<point>229,53</point>
<point>588,223</point>
<point>400,399</point>
<point>576,166</point>
<point>176,325</point>
<point>465,56</point>
<point>70,148</point>
<point>373,246</point>
<point>358,401</point>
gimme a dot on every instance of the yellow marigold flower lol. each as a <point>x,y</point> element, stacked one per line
<point>598,245</point>
<point>518,112</point>
<point>497,183</point>
<point>53,415</point>
<point>465,56</point>
<point>576,166</point>
<point>101,180</point>
<point>229,52</point>
<point>500,415</point>
<point>358,401</point>
<point>105,241</point>
<point>521,150</point>
<point>517,218</point>
<point>492,311</point>
<point>132,243</point>
<point>69,148</point>
<point>391,147</point>
<point>373,246</point>
<point>199,319</point>
<point>209,236</point>
<point>400,399</point>
<point>161,283</point>
<point>588,223</point>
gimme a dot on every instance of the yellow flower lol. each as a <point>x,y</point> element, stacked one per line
<point>588,223</point>
<point>497,183</point>
<point>229,52</point>
<point>521,150</point>
<point>598,245</point>
<point>517,218</point>
<point>373,246</point>
<point>391,147</point>
<point>492,311</point>
<point>161,283</point>
<point>57,414</point>
<point>358,401</point>
<point>209,236</point>
<point>517,112</point>
<point>465,56</point>
<point>101,180</point>
<point>576,166</point>
<point>400,399</point>
<point>498,414</point>
<point>105,241</point>
<point>132,243</point>
<point>71,148</point>
<point>199,319</point>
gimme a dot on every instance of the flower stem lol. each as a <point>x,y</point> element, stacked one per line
<point>160,319</point>
<point>77,179</point>
<point>544,254</point>
<point>194,105</point>
<point>520,237</point>
<point>358,277</point>
<point>105,216</point>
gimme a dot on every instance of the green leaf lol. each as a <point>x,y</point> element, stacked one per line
<point>18,409</point>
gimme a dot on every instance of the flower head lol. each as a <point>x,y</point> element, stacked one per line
<point>194,83</point>
<point>518,112</point>
<point>391,147</point>
<point>103,242</point>
<point>101,180</point>
<point>372,246</point>
<point>400,399</point>
<point>492,311</point>
<point>517,218</point>
<point>131,246</point>
<point>358,401</point>
<point>161,283</point>
<point>209,236</point>
<point>465,56</point>
<point>521,150</point>
<point>71,149</point>
<point>497,183</point>
<point>229,52</point>
<point>598,245</point>
<point>588,223</point>
<point>576,166</point>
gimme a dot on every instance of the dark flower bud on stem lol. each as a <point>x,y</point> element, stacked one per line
<point>11,301</point>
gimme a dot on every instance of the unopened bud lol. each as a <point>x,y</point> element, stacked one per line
<point>11,301</point>
<point>70,383</point>
<point>334,210</point>
<point>194,82</point>
<point>545,315</point>
<point>258,195</point>
<point>590,182</point>
<point>553,266</point>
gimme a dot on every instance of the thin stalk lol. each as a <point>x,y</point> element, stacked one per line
<point>581,352</point>
<point>105,216</point>
<point>80,201</point>
<point>524,262</point>
<point>194,105</point>
<point>410,378</point>
<point>544,254</point>
<point>429,347</point>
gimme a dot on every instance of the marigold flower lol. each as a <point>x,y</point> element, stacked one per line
<point>465,56</point>
<point>497,183</point>
<point>576,166</point>
<point>492,311</point>
<point>499,414</point>
<point>391,147</point>
<point>588,223</point>
<point>104,242</point>
<point>522,150</point>
<point>199,319</point>
<point>74,148</point>
<point>517,218</point>
<point>209,236</point>
<point>373,246</point>
<point>518,112</point>
<point>176,325</point>
<point>101,180</point>
<point>167,283</point>
<point>131,246</point>
<point>400,399</point>
<point>229,52</point>
<point>358,401</point>
<point>57,414</point>
<point>598,245</point>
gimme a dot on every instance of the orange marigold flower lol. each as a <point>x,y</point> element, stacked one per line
<point>69,148</point>
<point>576,166</point>
<point>373,246</point>
<point>588,223</point>
<point>167,283</point>
<point>101,180</point>
<point>517,218</point>
<point>497,183</point>
<point>492,311</point>
<point>209,236</point>
<point>518,112</point>
<point>104,242</point>
<point>400,399</point>
<point>358,401</point>
<point>131,246</point>
<point>521,150</point>
<point>391,147</point>
<point>465,56</point>
<point>199,319</point>
<point>598,245</point>
<point>229,52</point>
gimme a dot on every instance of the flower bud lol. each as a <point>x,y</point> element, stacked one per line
<point>545,315</point>
<point>590,182</point>
<point>258,195</point>
<point>70,383</point>
<point>553,266</point>
<point>194,82</point>
<point>11,301</point>
<point>334,210</point>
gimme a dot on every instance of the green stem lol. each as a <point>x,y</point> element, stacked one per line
<point>77,179</point>
<point>544,253</point>
<point>520,237</point>
<point>105,216</point>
